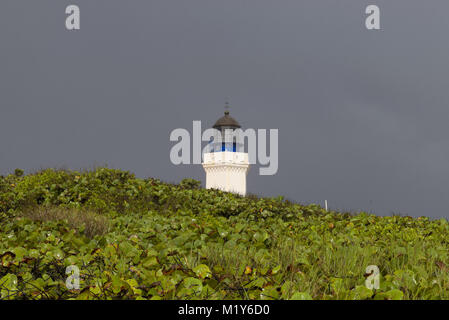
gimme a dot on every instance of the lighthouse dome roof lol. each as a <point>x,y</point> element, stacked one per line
<point>226,121</point>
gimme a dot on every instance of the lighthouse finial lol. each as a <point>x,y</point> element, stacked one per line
<point>226,107</point>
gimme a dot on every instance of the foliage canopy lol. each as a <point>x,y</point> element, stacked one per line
<point>164,241</point>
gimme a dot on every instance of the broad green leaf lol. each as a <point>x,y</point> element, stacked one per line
<point>300,296</point>
<point>202,271</point>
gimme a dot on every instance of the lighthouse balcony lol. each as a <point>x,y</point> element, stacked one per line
<point>225,157</point>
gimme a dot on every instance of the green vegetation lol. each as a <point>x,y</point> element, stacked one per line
<point>144,239</point>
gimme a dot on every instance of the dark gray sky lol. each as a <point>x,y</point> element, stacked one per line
<point>362,115</point>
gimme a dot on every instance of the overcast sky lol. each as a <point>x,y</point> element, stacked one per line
<point>362,115</point>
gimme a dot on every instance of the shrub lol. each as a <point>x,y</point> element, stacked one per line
<point>18,172</point>
<point>190,184</point>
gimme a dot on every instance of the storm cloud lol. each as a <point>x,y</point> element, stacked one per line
<point>362,115</point>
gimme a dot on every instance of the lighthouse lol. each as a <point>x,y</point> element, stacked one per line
<point>226,167</point>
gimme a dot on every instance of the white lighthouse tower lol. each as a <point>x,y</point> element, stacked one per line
<point>225,167</point>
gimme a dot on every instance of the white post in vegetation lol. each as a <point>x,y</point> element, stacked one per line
<point>325,204</point>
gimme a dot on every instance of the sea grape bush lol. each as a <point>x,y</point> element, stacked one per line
<point>166,241</point>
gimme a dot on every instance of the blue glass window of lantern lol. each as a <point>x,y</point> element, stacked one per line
<point>227,147</point>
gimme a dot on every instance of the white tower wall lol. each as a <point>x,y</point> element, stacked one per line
<point>226,171</point>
